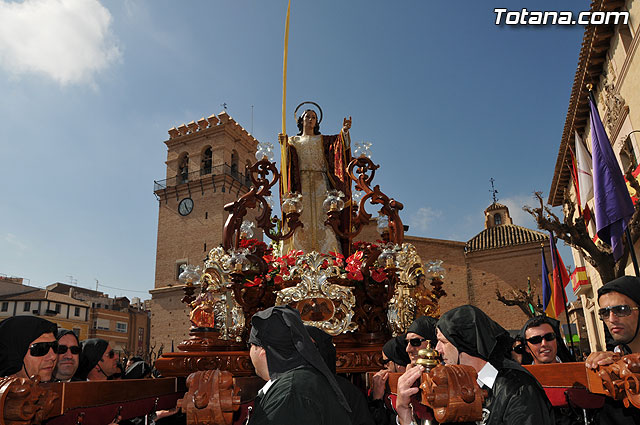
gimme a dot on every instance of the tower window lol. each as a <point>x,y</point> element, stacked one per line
<point>183,169</point>
<point>234,164</point>
<point>497,219</point>
<point>205,166</point>
<point>179,265</point>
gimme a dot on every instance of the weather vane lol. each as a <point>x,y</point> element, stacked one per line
<point>493,190</point>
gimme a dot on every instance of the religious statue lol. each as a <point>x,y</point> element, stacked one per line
<point>313,164</point>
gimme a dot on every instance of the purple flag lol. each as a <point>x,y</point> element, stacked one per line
<point>613,205</point>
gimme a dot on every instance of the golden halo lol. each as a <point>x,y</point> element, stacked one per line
<point>295,117</point>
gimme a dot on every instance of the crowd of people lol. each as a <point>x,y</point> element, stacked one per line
<point>301,388</point>
<point>298,363</point>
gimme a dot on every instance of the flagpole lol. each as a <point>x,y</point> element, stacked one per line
<point>632,252</point>
<point>554,252</point>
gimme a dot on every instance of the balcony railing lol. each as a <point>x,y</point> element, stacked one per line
<point>223,169</point>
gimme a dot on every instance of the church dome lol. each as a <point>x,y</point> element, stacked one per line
<point>503,236</point>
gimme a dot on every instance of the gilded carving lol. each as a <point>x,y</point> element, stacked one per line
<point>215,306</point>
<point>322,304</point>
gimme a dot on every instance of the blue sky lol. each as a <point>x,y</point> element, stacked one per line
<point>90,88</point>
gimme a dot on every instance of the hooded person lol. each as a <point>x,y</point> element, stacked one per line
<point>421,333</point>
<point>360,414</point>
<point>619,301</point>
<point>137,370</point>
<point>394,360</point>
<point>68,355</point>
<point>97,361</point>
<point>394,351</point>
<point>542,340</point>
<point>300,387</point>
<point>467,336</point>
<point>28,347</point>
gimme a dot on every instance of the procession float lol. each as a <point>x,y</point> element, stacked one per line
<point>321,256</point>
<point>360,291</point>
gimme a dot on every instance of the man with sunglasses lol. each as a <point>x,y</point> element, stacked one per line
<point>421,333</point>
<point>467,336</point>
<point>543,342</point>
<point>97,361</point>
<point>394,360</point>
<point>618,301</point>
<point>68,355</point>
<point>28,347</point>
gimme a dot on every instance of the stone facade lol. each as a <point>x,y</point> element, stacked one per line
<point>608,61</point>
<point>206,162</point>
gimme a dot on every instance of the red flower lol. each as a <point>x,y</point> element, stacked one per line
<point>378,275</point>
<point>355,275</point>
<point>255,282</point>
<point>338,260</point>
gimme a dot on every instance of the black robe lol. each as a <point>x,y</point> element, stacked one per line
<point>299,396</point>
<point>516,399</point>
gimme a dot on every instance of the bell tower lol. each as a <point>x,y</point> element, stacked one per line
<point>206,163</point>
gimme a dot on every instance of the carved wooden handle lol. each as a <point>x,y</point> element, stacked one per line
<point>453,393</point>
<point>24,401</point>
<point>211,399</point>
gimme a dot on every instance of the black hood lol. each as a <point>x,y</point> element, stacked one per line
<point>279,330</point>
<point>626,285</point>
<point>16,334</point>
<point>471,331</point>
<point>324,343</point>
<point>62,332</point>
<point>137,370</point>
<point>92,351</point>
<point>396,350</point>
<point>629,286</point>
<point>425,326</point>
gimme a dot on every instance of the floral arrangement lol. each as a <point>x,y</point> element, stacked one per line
<point>279,267</point>
<point>254,246</point>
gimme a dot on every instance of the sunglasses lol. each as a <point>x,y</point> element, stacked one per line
<point>519,349</point>
<point>385,361</point>
<point>416,342</point>
<point>63,349</point>
<point>40,349</point>
<point>617,310</point>
<point>535,340</point>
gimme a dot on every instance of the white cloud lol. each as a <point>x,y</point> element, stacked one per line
<point>518,215</point>
<point>15,242</point>
<point>422,219</point>
<point>67,40</point>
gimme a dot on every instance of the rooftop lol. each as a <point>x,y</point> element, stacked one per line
<point>502,236</point>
